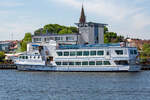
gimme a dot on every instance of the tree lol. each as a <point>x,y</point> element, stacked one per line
<point>65,31</point>
<point>112,37</point>
<point>2,56</point>
<point>38,31</point>
<point>25,41</point>
<point>146,50</point>
<point>73,29</point>
<point>56,28</point>
<point>105,29</point>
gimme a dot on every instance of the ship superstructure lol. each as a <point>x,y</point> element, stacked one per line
<point>100,57</point>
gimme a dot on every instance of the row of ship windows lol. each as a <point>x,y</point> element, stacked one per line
<point>92,53</point>
<point>70,38</point>
<point>29,57</point>
<point>81,53</point>
<point>83,63</point>
<point>132,52</point>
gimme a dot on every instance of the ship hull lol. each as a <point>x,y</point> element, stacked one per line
<point>132,68</point>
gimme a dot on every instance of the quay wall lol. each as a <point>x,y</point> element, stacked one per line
<point>8,66</point>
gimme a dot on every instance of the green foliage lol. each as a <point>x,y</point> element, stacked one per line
<point>38,31</point>
<point>73,29</point>
<point>112,37</point>
<point>145,51</point>
<point>105,29</point>
<point>2,56</point>
<point>65,31</point>
<point>27,39</point>
<point>55,28</point>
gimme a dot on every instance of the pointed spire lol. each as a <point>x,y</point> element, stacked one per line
<point>82,17</point>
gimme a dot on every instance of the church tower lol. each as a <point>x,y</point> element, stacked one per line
<point>82,17</point>
<point>90,32</point>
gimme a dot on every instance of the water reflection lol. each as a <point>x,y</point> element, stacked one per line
<point>72,86</point>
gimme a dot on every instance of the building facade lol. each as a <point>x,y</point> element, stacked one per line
<point>4,46</point>
<point>91,33</point>
<point>65,39</point>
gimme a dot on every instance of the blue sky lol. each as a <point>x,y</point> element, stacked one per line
<point>126,17</point>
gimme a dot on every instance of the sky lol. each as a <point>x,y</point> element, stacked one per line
<point>130,18</point>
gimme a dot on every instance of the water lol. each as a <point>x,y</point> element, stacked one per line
<point>15,85</point>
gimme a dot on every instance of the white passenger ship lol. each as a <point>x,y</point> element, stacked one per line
<point>85,58</point>
<point>44,54</point>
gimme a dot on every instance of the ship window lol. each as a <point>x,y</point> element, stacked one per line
<point>119,52</point>
<point>78,63</point>
<point>99,63</point>
<point>59,53</point>
<point>93,53</point>
<point>72,53</point>
<point>100,53</point>
<point>92,63</point>
<point>52,38</point>
<point>61,38</point>
<point>34,57</point>
<point>122,62</point>
<point>26,57</point>
<point>37,39</point>
<point>131,52</point>
<point>23,57</point>
<point>79,53</point>
<point>71,63</point>
<point>57,38</point>
<point>86,53</point>
<point>30,57</point>
<point>69,38</point>
<point>106,63</point>
<point>38,57</point>
<point>85,63</point>
<point>66,53</point>
<point>135,51</point>
<point>107,53</point>
<point>65,63</point>
<point>58,63</point>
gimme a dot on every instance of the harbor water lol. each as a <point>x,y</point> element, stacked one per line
<point>19,85</point>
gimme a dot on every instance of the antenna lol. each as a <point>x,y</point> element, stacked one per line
<point>83,2</point>
<point>9,36</point>
<point>12,36</point>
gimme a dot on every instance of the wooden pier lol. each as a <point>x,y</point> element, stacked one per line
<point>8,66</point>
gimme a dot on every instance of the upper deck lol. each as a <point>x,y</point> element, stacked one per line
<point>93,46</point>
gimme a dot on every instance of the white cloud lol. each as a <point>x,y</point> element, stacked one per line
<point>103,8</point>
<point>126,18</point>
<point>10,4</point>
<point>19,27</point>
<point>140,21</point>
<point>132,18</point>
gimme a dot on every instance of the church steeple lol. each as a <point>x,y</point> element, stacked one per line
<point>82,17</point>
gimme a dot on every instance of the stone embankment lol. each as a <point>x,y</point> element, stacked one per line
<point>8,66</point>
<point>145,67</point>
